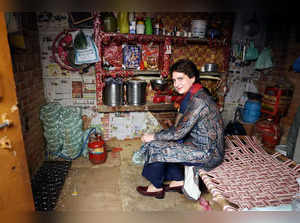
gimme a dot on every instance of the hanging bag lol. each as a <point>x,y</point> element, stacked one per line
<point>252,52</point>
<point>264,60</point>
<point>86,51</point>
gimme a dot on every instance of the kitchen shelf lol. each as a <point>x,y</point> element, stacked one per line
<point>139,108</point>
<point>119,37</point>
<point>146,72</point>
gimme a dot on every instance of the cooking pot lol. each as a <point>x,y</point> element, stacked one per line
<point>113,92</point>
<point>136,92</point>
<point>159,84</point>
<point>210,67</point>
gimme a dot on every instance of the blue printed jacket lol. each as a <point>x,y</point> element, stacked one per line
<point>202,129</point>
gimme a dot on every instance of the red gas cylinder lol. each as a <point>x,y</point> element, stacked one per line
<point>97,151</point>
<point>268,132</point>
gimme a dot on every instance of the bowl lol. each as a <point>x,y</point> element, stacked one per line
<point>159,84</point>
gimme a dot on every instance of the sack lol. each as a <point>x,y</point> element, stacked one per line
<point>252,52</point>
<point>191,184</point>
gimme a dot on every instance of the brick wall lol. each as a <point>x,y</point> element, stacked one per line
<point>165,117</point>
<point>30,92</point>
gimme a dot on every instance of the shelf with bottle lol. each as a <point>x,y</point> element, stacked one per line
<point>165,42</point>
<point>109,37</point>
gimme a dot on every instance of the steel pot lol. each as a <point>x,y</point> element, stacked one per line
<point>136,92</point>
<point>113,92</point>
<point>159,84</point>
<point>211,67</point>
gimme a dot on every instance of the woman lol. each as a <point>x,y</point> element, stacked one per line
<point>196,140</point>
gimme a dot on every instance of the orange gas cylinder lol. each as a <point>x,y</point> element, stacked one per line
<point>268,132</point>
<point>97,151</point>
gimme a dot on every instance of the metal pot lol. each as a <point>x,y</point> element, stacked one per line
<point>136,92</point>
<point>113,92</point>
<point>211,67</point>
<point>159,84</point>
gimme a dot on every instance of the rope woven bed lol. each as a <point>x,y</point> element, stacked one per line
<point>251,177</point>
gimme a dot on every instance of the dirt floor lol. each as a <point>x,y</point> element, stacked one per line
<point>110,186</point>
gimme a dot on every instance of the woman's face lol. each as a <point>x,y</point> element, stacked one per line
<point>182,83</point>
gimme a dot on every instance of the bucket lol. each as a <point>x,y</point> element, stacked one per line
<point>113,92</point>
<point>136,92</point>
<point>97,152</point>
<point>251,111</point>
<point>198,28</point>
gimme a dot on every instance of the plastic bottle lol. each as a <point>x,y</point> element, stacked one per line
<point>132,23</point>
<point>124,24</point>
<point>148,26</point>
<point>157,27</point>
<point>140,27</point>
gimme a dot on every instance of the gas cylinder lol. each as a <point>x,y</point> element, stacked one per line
<point>268,132</point>
<point>97,151</point>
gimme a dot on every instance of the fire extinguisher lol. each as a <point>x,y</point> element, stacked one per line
<point>268,132</point>
<point>97,150</point>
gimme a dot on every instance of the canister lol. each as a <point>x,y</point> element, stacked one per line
<point>136,92</point>
<point>198,28</point>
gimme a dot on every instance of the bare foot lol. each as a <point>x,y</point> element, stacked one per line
<point>176,183</point>
<point>152,188</point>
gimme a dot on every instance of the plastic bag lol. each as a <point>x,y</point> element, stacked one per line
<point>191,184</point>
<point>252,52</point>
<point>88,55</point>
<point>264,60</point>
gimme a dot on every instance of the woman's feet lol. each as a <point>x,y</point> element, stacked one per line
<point>174,186</point>
<point>159,193</point>
<point>151,191</point>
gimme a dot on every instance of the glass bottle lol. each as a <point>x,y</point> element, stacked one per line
<point>109,22</point>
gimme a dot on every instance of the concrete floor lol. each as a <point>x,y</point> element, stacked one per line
<point>110,186</point>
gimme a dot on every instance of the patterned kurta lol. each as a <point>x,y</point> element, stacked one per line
<point>202,129</point>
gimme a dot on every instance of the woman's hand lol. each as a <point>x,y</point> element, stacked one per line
<point>147,137</point>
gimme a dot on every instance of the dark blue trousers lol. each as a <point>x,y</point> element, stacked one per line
<point>159,172</point>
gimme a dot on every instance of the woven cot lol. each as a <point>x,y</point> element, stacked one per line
<point>251,177</point>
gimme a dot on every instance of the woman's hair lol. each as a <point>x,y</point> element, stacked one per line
<point>187,67</point>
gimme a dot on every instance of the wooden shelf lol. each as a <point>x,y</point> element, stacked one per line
<point>140,108</point>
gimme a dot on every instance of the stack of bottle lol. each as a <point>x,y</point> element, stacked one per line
<point>47,184</point>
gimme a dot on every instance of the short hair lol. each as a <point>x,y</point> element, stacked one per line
<point>187,67</point>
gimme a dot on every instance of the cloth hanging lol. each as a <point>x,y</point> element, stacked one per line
<point>264,60</point>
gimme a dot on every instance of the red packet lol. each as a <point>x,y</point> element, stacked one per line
<point>150,56</point>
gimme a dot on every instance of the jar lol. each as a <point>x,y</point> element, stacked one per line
<point>140,27</point>
<point>109,22</point>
